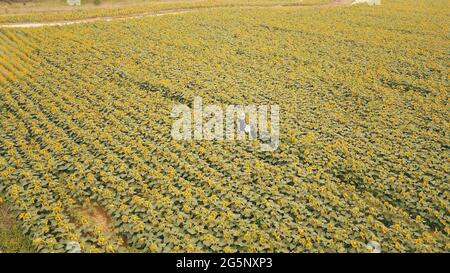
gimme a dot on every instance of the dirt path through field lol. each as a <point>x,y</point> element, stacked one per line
<point>164,12</point>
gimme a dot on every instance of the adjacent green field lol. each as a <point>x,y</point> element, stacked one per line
<point>11,237</point>
<point>86,152</point>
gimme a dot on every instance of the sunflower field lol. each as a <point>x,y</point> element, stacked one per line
<point>145,7</point>
<point>86,152</point>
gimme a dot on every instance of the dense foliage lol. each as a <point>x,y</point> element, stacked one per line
<point>363,93</point>
<point>146,7</point>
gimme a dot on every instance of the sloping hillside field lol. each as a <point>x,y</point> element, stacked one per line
<point>86,152</point>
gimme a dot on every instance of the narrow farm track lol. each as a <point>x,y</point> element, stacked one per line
<point>165,12</point>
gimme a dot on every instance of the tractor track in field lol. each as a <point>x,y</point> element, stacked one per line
<point>166,12</point>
